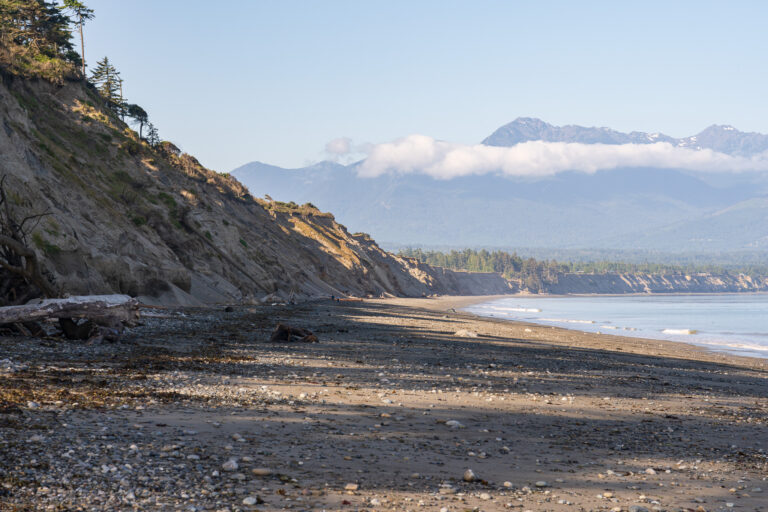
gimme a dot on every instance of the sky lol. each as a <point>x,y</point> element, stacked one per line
<point>275,81</point>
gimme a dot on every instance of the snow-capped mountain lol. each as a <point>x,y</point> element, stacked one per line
<point>721,138</point>
<point>634,208</point>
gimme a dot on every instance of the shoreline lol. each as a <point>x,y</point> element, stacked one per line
<point>443,303</point>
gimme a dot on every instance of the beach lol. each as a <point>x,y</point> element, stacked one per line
<point>404,404</point>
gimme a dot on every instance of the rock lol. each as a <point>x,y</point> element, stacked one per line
<point>756,489</point>
<point>250,500</point>
<point>508,484</point>
<point>374,502</point>
<point>351,487</point>
<point>230,465</point>
<point>261,471</point>
<point>470,476</point>
<point>650,471</point>
<point>464,333</point>
<point>541,483</point>
<point>485,496</point>
<point>454,424</point>
<point>638,508</point>
<point>32,405</point>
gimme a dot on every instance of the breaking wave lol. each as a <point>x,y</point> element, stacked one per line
<point>679,331</point>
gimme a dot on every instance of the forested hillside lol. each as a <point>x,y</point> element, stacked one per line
<point>550,275</point>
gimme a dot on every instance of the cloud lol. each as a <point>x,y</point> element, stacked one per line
<point>339,147</point>
<point>446,160</point>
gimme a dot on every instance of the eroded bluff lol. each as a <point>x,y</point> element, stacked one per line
<point>152,222</point>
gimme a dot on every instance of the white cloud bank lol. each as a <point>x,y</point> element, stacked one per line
<point>445,160</point>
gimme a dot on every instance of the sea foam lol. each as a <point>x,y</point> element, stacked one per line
<point>680,331</point>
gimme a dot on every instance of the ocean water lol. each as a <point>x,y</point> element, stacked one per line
<point>733,323</point>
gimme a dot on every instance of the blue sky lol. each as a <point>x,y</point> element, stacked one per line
<point>237,81</point>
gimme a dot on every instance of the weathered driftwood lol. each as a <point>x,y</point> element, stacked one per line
<point>286,333</point>
<point>108,310</point>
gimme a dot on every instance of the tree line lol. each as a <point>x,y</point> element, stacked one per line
<point>535,273</point>
<point>36,41</point>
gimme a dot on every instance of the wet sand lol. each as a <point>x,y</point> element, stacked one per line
<point>388,412</point>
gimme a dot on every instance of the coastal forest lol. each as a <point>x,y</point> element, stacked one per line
<point>535,274</point>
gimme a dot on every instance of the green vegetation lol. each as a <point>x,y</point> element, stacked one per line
<point>534,273</point>
<point>109,84</point>
<point>36,40</point>
<point>307,209</point>
<point>81,14</point>
<point>44,245</point>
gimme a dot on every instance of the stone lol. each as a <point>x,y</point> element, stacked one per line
<point>250,500</point>
<point>454,424</point>
<point>638,508</point>
<point>230,465</point>
<point>541,483</point>
<point>261,471</point>
<point>650,471</point>
<point>485,496</point>
<point>508,484</point>
<point>351,487</point>
<point>470,476</point>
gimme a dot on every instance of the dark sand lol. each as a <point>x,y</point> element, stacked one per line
<point>363,420</point>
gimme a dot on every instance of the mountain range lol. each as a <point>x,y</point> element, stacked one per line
<point>671,210</point>
<point>721,138</point>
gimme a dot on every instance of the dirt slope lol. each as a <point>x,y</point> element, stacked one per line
<point>153,222</point>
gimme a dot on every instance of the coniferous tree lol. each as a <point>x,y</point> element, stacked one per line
<point>108,82</point>
<point>81,14</point>
<point>153,136</point>
<point>35,39</point>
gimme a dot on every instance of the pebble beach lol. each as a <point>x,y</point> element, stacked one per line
<point>404,404</point>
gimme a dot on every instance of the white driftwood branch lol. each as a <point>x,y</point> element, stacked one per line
<point>101,309</point>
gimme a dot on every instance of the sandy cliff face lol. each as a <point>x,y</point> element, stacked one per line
<point>128,218</point>
<point>647,283</point>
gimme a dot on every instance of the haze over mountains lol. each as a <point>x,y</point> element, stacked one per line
<point>720,205</point>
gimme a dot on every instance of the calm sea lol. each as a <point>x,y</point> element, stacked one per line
<point>734,323</point>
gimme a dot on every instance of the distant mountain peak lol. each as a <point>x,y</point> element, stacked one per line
<point>723,138</point>
<point>524,129</point>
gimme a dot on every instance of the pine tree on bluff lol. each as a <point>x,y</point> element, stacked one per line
<point>153,136</point>
<point>108,82</point>
<point>81,14</point>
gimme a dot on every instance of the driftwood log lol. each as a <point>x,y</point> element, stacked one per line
<point>106,315</point>
<point>286,333</point>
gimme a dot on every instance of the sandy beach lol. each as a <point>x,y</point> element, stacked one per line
<point>404,404</point>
